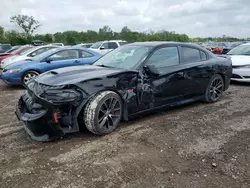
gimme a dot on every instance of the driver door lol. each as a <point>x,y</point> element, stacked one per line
<point>165,88</point>
<point>62,59</point>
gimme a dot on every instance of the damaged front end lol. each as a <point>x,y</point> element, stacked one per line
<point>49,112</point>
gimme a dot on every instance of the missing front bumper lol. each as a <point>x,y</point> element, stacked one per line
<point>41,126</point>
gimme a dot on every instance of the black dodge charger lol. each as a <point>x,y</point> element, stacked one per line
<point>130,80</point>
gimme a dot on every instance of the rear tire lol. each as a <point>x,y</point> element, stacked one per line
<point>28,76</point>
<point>215,89</point>
<point>103,113</point>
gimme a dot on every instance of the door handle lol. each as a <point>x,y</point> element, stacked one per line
<point>76,61</point>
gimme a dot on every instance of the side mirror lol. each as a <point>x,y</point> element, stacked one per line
<point>48,59</point>
<point>33,54</point>
<point>151,70</point>
<point>102,48</point>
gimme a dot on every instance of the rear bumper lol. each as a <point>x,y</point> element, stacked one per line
<point>41,126</point>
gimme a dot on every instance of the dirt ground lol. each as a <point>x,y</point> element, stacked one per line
<point>194,146</point>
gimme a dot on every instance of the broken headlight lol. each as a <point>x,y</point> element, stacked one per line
<point>64,95</point>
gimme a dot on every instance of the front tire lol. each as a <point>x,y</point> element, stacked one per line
<point>215,89</point>
<point>27,76</point>
<point>103,113</point>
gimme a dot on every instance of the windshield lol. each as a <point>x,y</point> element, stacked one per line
<point>234,44</point>
<point>44,54</point>
<point>96,45</point>
<point>12,50</point>
<point>125,57</point>
<point>27,51</point>
<point>240,50</point>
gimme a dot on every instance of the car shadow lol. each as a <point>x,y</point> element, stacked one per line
<point>86,135</point>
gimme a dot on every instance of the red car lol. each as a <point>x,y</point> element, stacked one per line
<point>216,48</point>
<point>17,51</point>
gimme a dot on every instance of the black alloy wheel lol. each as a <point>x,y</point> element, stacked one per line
<point>109,113</point>
<point>103,113</point>
<point>215,89</point>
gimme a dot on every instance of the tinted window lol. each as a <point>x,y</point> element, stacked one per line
<point>65,54</point>
<point>164,57</point>
<point>191,55</point>
<point>112,45</point>
<point>203,55</point>
<point>105,46</point>
<point>88,45</point>
<point>85,54</point>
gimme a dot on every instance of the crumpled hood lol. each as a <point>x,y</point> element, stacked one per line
<point>238,60</point>
<point>75,74</point>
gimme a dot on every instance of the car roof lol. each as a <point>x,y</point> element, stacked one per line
<point>76,48</point>
<point>158,43</point>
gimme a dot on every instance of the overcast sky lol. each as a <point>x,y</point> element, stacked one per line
<point>197,18</point>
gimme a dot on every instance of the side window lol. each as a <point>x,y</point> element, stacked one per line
<point>37,52</point>
<point>65,55</point>
<point>191,55</point>
<point>164,57</point>
<point>105,45</point>
<point>85,54</point>
<point>203,56</point>
<point>113,45</point>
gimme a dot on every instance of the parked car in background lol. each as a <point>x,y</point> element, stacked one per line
<point>32,52</point>
<point>215,47</point>
<point>37,43</point>
<point>17,51</point>
<point>106,46</point>
<point>230,46</point>
<point>22,71</point>
<point>132,79</point>
<point>12,49</point>
<point>4,47</point>
<point>85,45</point>
<point>57,44</point>
<point>240,57</point>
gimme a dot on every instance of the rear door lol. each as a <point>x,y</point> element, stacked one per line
<point>197,71</point>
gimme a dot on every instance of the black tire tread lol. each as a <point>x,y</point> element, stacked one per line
<point>206,97</point>
<point>89,111</point>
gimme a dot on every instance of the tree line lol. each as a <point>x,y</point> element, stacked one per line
<point>29,25</point>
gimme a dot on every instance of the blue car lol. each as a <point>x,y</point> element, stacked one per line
<point>21,72</point>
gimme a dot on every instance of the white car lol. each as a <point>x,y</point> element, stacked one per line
<point>26,55</point>
<point>240,57</point>
<point>104,47</point>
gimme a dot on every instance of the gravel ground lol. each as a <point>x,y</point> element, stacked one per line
<point>197,145</point>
